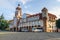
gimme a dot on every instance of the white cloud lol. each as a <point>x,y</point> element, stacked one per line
<point>55,11</point>
<point>5,4</point>
<point>8,4</point>
<point>29,12</point>
<point>7,8</point>
<point>25,7</point>
<point>10,16</point>
<point>24,1</point>
<point>58,0</point>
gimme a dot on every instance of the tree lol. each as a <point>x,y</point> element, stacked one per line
<point>2,17</point>
<point>58,23</point>
<point>3,23</point>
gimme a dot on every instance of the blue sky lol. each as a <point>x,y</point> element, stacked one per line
<point>7,7</point>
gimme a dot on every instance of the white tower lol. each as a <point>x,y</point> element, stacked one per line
<point>18,12</point>
<point>45,12</point>
<point>18,15</point>
<point>45,18</point>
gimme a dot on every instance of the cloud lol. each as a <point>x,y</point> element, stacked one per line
<point>58,0</point>
<point>10,16</point>
<point>25,7</point>
<point>9,4</point>
<point>7,8</point>
<point>55,11</point>
<point>29,12</point>
<point>24,1</point>
<point>5,4</point>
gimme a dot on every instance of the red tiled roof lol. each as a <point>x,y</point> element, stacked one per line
<point>40,14</point>
<point>34,15</point>
<point>52,15</point>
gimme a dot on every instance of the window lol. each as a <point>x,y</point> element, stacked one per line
<point>33,23</point>
<point>49,26</point>
<point>28,24</point>
<point>38,25</point>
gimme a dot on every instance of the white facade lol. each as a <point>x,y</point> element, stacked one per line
<point>32,21</point>
<point>15,22</point>
<point>37,20</point>
<point>11,25</point>
<point>52,25</point>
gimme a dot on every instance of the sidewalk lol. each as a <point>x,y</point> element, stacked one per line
<point>6,32</point>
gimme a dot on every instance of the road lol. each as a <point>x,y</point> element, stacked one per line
<point>29,36</point>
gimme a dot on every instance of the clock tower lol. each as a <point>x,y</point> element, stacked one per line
<point>18,12</point>
<point>45,18</point>
<point>18,15</point>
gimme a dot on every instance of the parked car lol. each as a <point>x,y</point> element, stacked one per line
<point>37,30</point>
<point>24,30</point>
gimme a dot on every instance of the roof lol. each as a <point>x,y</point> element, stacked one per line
<point>40,14</point>
<point>18,7</point>
<point>10,21</point>
<point>52,15</point>
<point>44,9</point>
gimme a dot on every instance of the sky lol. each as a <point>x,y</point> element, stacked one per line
<point>8,7</point>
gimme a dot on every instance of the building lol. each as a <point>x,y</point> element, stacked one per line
<point>11,25</point>
<point>44,20</point>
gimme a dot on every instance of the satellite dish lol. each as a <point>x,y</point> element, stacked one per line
<point>24,15</point>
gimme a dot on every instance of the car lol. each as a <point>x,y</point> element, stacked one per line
<point>37,30</point>
<point>24,30</point>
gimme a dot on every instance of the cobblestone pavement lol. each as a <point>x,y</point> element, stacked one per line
<point>29,36</point>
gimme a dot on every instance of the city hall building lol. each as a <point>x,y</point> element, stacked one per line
<point>44,20</point>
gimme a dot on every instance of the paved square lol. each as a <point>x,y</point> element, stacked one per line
<point>29,36</point>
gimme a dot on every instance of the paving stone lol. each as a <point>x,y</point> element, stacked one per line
<point>29,36</point>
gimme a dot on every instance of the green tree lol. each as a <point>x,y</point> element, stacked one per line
<point>2,17</point>
<point>58,23</point>
<point>3,23</point>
